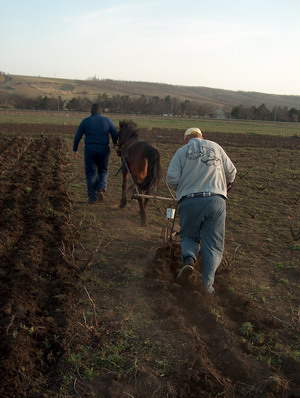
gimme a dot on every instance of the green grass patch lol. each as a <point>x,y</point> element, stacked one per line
<point>158,122</point>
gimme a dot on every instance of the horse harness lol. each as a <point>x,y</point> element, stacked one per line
<point>125,160</point>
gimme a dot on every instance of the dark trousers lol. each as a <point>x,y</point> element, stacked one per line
<point>96,169</point>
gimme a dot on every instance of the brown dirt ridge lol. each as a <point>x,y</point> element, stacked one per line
<point>37,285</point>
<point>89,304</point>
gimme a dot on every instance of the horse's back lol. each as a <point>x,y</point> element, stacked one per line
<point>145,160</point>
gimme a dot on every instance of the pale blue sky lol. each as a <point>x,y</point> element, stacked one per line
<point>230,44</point>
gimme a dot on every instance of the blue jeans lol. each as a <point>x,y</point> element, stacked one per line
<point>96,169</point>
<point>202,225</point>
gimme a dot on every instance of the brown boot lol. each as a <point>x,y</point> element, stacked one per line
<point>101,195</point>
<point>184,274</point>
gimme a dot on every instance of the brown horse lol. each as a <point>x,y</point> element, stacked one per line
<point>142,161</point>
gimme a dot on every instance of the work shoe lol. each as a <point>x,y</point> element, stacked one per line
<point>92,202</point>
<point>185,273</point>
<point>210,289</point>
<point>188,260</point>
<point>101,195</point>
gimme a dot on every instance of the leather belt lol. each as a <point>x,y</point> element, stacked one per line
<point>201,195</point>
<point>94,143</point>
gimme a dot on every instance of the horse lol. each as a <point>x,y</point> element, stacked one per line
<point>142,161</point>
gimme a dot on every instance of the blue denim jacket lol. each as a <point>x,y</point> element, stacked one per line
<point>96,129</point>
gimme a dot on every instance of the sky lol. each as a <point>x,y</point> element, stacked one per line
<point>229,44</point>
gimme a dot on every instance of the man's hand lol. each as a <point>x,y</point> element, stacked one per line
<point>117,149</point>
<point>75,154</point>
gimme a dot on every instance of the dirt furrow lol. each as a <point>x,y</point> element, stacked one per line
<point>216,322</point>
<point>37,283</point>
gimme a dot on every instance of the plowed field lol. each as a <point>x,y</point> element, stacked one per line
<point>89,304</point>
<point>37,284</point>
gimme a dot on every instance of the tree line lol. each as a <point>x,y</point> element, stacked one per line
<point>114,104</point>
<point>153,105</point>
<point>278,113</point>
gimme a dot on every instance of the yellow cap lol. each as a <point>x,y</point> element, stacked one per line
<point>192,130</point>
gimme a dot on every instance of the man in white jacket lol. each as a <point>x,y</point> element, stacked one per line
<point>201,173</point>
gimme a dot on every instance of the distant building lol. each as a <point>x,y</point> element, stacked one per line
<point>219,114</point>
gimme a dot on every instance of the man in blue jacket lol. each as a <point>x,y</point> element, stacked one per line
<point>96,129</point>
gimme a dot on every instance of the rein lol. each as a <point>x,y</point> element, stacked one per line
<point>124,161</point>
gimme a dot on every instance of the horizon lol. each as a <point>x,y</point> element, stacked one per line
<point>233,47</point>
<point>147,82</point>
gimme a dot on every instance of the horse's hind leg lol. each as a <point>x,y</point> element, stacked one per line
<point>124,189</point>
<point>143,214</point>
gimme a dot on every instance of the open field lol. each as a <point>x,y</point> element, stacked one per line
<point>155,122</point>
<point>89,305</point>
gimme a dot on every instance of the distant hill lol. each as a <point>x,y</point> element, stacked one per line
<point>31,86</point>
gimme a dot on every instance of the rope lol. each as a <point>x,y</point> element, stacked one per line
<point>169,189</point>
<point>166,223</point>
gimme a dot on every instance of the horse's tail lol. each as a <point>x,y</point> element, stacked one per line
<point>154,169</point>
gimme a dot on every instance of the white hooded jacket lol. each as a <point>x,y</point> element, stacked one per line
<point>200,166</point>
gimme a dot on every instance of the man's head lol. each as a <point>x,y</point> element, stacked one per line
<point>192,132</point>
<point>95,109</point>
